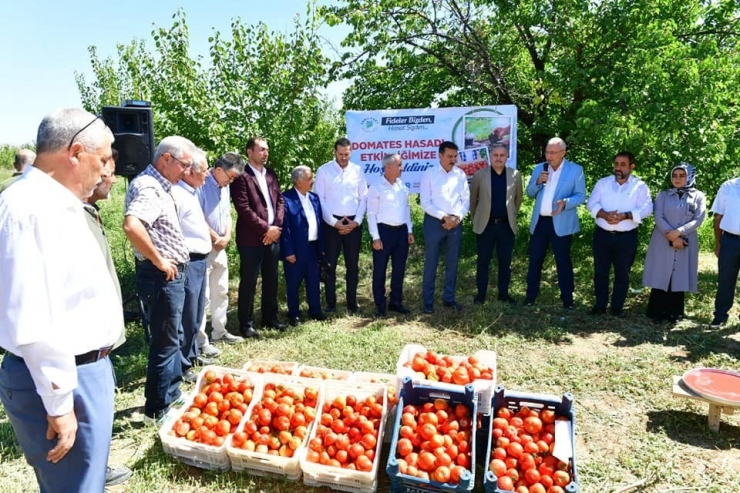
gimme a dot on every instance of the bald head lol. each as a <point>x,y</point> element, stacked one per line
<point>23,158</point>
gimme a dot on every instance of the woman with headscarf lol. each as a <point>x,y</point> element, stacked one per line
<point>672,261</point>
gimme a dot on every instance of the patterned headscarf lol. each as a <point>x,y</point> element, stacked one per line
<point>690,175</point>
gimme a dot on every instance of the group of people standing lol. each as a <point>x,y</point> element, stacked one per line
<point>60,301</point>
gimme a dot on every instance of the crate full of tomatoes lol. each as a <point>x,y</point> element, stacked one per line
<point>197,434</point>
<point>319,373</point>
<point>343,450</point>
<point>269,440</point>
<point>268,366</point>
<point>433,445</point>
<point>390,382</point>
<point>450,372</point>
<point>531,445</point>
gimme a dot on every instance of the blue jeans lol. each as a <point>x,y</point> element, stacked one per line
<point>193,309</point>
<point>502,238</point>
<point>436,238</point>
<point>728,265</point>
<point>83,468</point>
<point>544,234</point>
<point>164,302</point>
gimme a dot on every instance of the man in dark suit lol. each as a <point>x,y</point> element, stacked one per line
<point>495,199</point>
<point>260,209</point>
<point>301,244</point>
<point>558,187</point>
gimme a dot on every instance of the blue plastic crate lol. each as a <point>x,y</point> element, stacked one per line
<point>563,407</point>
<point>417,394</point>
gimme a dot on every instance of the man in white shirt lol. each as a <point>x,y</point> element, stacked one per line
<point>198,241</point>
<point>389,222</point>
<point>619,203</point>
<point>215,200</point>
<point>342,189</point>
<point>445,199</point>
<point>726,209</point>
<point>558,187</point>
<point>301,245</point>
<point>59,310</point>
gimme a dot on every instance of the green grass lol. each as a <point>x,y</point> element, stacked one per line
<point>629,426</point>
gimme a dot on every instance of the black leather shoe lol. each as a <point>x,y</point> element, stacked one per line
<point>354,309</point>
<point>569,306</point>
<point>294,321</point>
<point>428,310</point>
<point>618,313</point>
<point>331,309</point>
<point>453,304</point>
<point>274,324</point>
<point>597,311</point>
<point>190,376</point>
<point>477,300</point>
<point>507,299</point>
<point>399,309</point>
<point>319,318</point>
<point>249,332</point>
<point>380,312</point>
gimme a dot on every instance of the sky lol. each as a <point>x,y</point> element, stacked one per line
<point>43,43</point>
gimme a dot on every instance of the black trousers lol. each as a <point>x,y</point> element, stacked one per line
<point>666,305</point>
<point>617,250</point>
<point>396,249</point>
<point>349,244</point>
<point>254,261</point>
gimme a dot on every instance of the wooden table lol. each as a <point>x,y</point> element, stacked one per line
<point>715,410</point>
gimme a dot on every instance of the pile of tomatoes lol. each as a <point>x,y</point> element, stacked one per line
<point>323,374</point>
<point>281,369</point>
<point>448,369</point>
<point>435,441</point>
<point>347,433</point>
<point>279,423</point>
<point>470,168</point>
<point>521,452</point>
<point>217,409</point>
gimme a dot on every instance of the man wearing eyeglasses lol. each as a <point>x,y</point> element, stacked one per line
<point>152,226</point>
<point>558,187</point>
<point>215,201</point>
<point>59,310</point>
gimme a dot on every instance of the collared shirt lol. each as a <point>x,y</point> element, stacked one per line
<point>445,192</point>
<point>388,203</point>
<point>262,181</point>
<point>631,196</point>
<point>727,203</point>
<point>193,223</point>
<point>149,198</point>
<point>498,195</point>
<point>553,177</point>
<point>215,201</point>
<point>342,192</point>
<point>313,223</point>
<point>57,299</point>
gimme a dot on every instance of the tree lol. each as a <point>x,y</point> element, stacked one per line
<point>657,77</point>
<point>257,83</point>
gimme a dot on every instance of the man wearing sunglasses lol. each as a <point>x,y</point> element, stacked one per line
<point>59,310</point>
<point>152,226</point>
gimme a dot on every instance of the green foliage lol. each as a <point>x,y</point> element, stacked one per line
<point>256,82</point>
<point>658,77</point>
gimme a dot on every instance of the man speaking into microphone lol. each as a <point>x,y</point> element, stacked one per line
<point>558,187</point>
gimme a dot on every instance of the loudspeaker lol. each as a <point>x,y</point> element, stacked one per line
<point>133,128</point>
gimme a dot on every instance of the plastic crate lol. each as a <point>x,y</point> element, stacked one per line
<point>392,385</point>
<point>345,479</point>
<point>267,366</point>
<point>259,464</point>
<point>562,406</point>
<point>416,394</point>
<point>484,388</point>
<point>195,453</point>
<point>318,373</point>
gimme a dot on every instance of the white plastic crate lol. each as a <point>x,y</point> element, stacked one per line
<point>259,464</point>
<point>266,366</point>
<point>391,385</point>
<point>195,453</point>
<point>483,388</point>
<point>345,479</point>
<point>319,373</point>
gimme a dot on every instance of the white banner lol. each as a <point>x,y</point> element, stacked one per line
<point>416,134</point>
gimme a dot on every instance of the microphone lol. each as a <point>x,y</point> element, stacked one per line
<point>544,168</point>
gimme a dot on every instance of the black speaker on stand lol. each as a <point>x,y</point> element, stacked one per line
<point>132,125</point>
